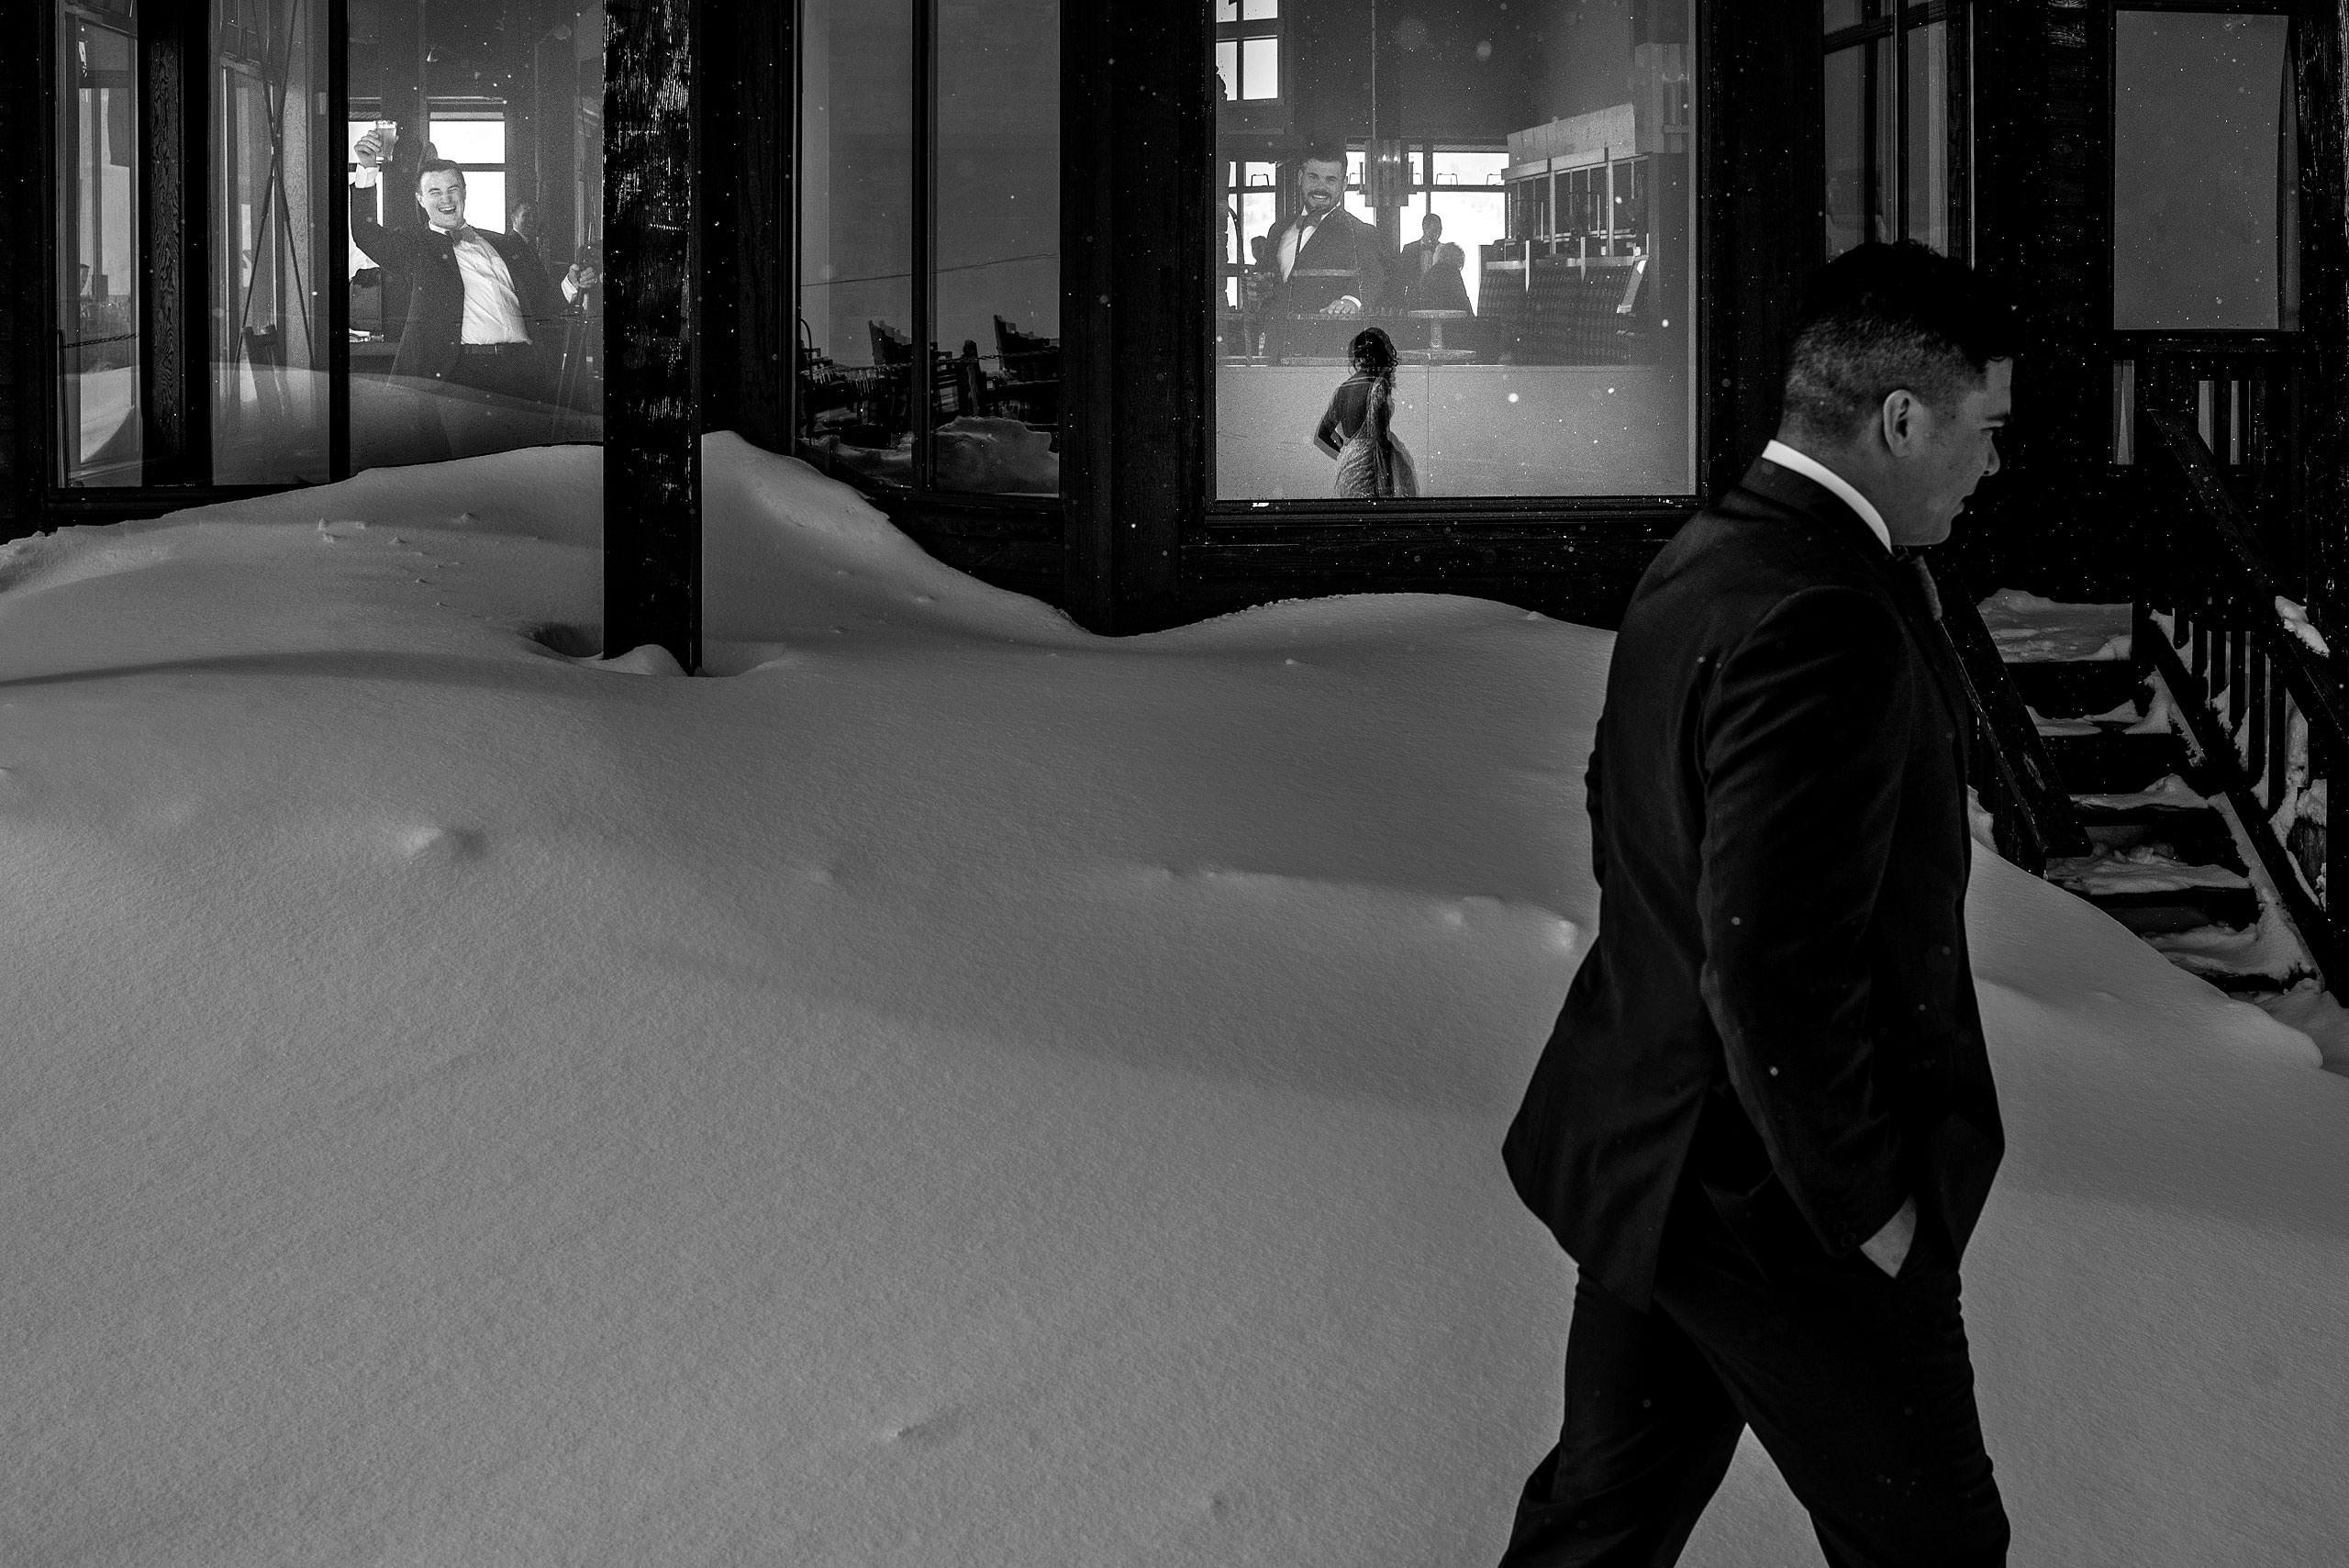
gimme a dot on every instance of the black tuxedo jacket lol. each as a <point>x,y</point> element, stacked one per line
<point>436,303</point>
<point>1778,1002</point>
<point>1340,257</point>
<point>1442,286</point>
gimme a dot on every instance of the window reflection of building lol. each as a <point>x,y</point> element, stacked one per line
<point>929,353</point>
<point>1894,96</point>
<point>1248,48</point>
<point>1568,200</point>
<point>99,434</point>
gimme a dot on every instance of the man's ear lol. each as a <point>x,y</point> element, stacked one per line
<point>1900,421</point>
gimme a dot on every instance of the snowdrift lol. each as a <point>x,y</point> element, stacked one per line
<point>952,1090</point>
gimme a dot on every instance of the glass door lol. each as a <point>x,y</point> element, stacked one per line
<point>98,285</point>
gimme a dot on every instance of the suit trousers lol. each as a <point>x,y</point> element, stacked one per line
<point>485,403</point>
<point>1859,1385</point>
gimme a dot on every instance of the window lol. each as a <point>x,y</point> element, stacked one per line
<point>309,354</point>
<point>100,260</point>
<point>1501,201</point>
<point>1894,92</point>
<point>1248,50</point>
<point>514,357</point>
<point>271,361</point>
<point>929,293</point>
<point>2205,191</point>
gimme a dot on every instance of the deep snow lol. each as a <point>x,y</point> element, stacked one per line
<point>959,1091</point>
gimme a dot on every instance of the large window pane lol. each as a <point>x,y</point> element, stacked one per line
<point>100,424</point>
<point>1848,176</point>
<point>474,140</point>
<point>995,282</point>
<point>1928,193</point>
<point>1508,199</point>
<point>2198,157</point>
<point>953,385</point>
<point>856,235</point>
<point>270,359</point>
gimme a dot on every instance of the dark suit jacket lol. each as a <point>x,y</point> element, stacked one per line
<point>436,302</point>
<point>1342,256</point>
<point>1441,287</point>
<point>1778,1004</point>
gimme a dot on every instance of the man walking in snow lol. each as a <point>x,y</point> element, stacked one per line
<point>1765,1124</point>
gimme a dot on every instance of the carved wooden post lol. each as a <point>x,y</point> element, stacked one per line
<point>652,415</point>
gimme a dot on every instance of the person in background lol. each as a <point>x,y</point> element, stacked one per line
<point>1429,273</point>
<point>1357,427</point>
<point>1765,1125</point>
<point>475,295</point>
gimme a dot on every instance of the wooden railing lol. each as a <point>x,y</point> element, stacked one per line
<point>2254,682</point>
<point>2032,818</point>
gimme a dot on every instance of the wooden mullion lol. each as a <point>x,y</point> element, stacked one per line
<point>653,62</point>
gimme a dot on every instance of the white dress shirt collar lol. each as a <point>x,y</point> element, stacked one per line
<point>1810,468</point>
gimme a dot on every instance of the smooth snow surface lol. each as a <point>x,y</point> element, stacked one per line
<point>958,1092</point>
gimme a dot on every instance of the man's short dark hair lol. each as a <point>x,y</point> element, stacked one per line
<point>1324,152</point>
<point>437,166</point>
<point>1880,317</point>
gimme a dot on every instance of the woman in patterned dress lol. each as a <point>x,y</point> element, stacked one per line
<point>1357,430</point>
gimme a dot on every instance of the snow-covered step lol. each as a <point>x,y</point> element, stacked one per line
<point>2148,889</point>
<point>2167,864</point>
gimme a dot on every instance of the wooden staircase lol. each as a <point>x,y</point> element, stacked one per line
<point>2163,854</point>
<point>2171,763</point>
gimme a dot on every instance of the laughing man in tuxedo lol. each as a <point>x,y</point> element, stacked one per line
<point>1323,260</point>
<point>1765,1125</point>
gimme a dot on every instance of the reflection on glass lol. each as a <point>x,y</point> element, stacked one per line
<point>473,145</point>
<point>1847,149</point>
<point>977,406</point>
<point>1509,206</point>
<point>100,424</point>
<point>2197,162</point>
<point>856,229</point>
<point>1928,193</point>
<point>1884,151</point>
<point>269,348</point>
<point>1838,14</point>
<point>996,278</point>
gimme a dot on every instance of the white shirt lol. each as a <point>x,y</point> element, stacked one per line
<point>492,310</point>
<point>1811,468</point>
<point>1294,241</point>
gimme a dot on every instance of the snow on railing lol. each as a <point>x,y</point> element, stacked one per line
<point>2251,676</point>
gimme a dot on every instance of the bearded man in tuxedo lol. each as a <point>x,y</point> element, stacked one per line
<point>1322,260</point>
